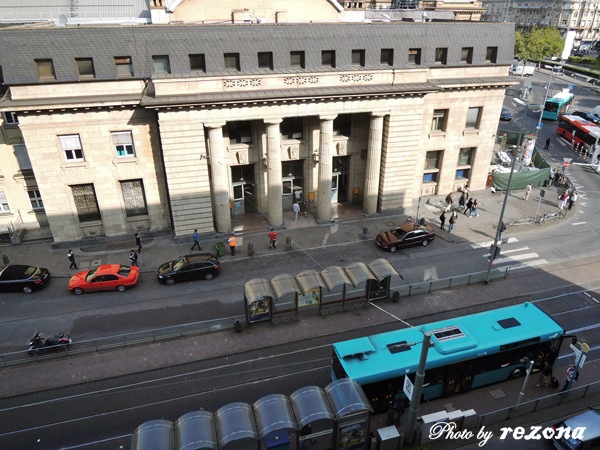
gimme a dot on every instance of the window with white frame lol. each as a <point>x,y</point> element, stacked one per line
<point>86,203</point>
<point>10,118</point>
<point>473,117</point>
<point>123,142</point>
<point>71,147</point>
<point>22,156</point>
<point>134,198</point>
<point>3,203</point>
<point>438,122</point>
<point>35,198</point>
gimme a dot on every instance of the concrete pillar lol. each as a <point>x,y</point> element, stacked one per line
<point>274,186</point>
<point>219,179</point>
<point>325,168</point>
<point>371,192</point>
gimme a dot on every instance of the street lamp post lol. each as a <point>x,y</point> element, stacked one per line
<point>528,366</point>
<point>539,124</point>
<point>494,250</point>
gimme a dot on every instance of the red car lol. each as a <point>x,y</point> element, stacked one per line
<point>106,277</point>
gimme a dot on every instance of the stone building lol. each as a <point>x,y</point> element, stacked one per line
<point>176,127</point>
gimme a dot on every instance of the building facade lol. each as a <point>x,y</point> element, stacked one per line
<point>580,16</point>
<point>176,127</point>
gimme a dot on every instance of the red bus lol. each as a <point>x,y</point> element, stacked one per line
<point>577,130</point>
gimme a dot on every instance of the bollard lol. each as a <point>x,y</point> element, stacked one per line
<point>250,249</point>
<point>237,326</point>
<point>395,297</point>
<point>365,230</point>
<point>288,241</point>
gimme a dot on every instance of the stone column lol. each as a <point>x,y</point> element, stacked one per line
<point>219,178</point>
<point>325,168</point>
<point>274,186</point>
<point>371,192</point>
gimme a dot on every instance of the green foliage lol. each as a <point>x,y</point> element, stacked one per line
<point>589,61</point>
<point>538,43</point>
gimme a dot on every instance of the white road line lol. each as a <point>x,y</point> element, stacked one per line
<point>516,259</point>
<point>578,223</point>
<point>511,240</point>
<point>504,252</point>
<point>535,263</point>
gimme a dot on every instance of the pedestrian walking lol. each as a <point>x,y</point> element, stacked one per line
<point>442,220</point>
<point>469,207</point>
<point>572,199</point>
<point>272,238</point>
<point>466,190</point>
<point>474,208</point>
<point>232,241</point>
<point>547,146</point>
<point>571,376</point>
<point>400,406</point>
<point>133,257</point>
<point>71,257</point>
<point>196,240</point>
<point>545,375</point>
<point>562,199</point>
<point>296,208</point>
<point>449,201</point>
<point>527,192</point>
<point>138,242</point>
<point>452,221</point>
<point>462,201</point>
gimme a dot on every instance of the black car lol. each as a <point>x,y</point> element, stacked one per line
<point>23,278</point>
<point>189,267</point>
<point>505,114</point>
<point>586,115</point>
<point>405,235</point>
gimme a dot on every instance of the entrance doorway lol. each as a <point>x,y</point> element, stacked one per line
<point>291,181</point>
<point>244,199</point>
<point>339,179</point>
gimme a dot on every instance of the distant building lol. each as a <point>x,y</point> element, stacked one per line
<point>183,126</point>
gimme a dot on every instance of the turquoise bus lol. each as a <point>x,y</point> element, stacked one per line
<point>557,106</point>
<point>465,353</point>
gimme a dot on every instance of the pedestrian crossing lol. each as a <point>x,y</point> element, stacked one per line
<point>518,257</point>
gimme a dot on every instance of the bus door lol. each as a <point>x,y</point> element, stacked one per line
<point>459,378</point>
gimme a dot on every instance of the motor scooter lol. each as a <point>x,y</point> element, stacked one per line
<point>38,344</point>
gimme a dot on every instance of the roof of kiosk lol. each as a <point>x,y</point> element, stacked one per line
<point>359,272</point>
<point>346,397</point>
<point>196,430</point>
<point>310,404</point>
<point>382,268</point>
<point>334,276</point>
<point>309,280</point>
<point>257,289</point>
<point>153,434</point>
<point>272,413</point>
<point>284,284</point>
<point>235,422</point>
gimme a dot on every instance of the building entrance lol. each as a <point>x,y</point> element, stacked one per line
<point>339,179</point>
<point>244,199</point>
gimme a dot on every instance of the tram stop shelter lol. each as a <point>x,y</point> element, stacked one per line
<point>196,431</point>
<point>333,289</point>
<point>275,421</point>
<point>154,434</point>
<point>236,427</point>
<point>315,418</point>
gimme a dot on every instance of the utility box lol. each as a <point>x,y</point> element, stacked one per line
<point>388,438</point>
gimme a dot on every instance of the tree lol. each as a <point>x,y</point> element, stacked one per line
<point>538,43</point>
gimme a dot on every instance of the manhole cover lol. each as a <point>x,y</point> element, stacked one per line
<point>497,393</point>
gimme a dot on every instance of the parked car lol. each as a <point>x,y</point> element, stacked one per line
<point>586,115</point>
<point>405,236</point>
<point>590,422</point>
<point>189,267</point>
<point>106,277</point>
<point>558,71</point>
<point>16,277</point>
<point>505,114</point>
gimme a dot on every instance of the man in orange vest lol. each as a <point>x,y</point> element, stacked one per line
<point>232,241</point>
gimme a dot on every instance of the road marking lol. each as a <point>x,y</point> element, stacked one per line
<point>516,259</point>
<point>509,251</point>
<point>324,243</point>
<point>578,223</point>
<point>525,265</point>
<point>511,240</point>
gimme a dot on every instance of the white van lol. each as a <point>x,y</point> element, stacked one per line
<point>596,111</point>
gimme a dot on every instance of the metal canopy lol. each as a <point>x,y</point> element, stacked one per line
<point>382,268</point>
<point>346,397</point>
<point>334,276</point>
<point>310,404</point>
<point>272,413</point>
<point>153,435</point>
<point>358,273</point>
<point>258,288</point>
<point>235,422</point>
<point>196,431</point>
<point>284,284</point>
<point>309,280</point>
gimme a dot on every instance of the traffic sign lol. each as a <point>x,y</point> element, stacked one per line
<point>567,162</point>
<point>408,387</point>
